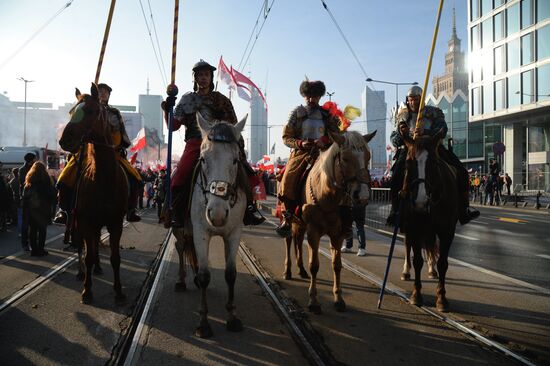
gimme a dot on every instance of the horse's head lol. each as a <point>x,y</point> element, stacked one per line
<point>421,160</point>
<point>219,159</point>
<point>88,122</point>
<point>353,161</point>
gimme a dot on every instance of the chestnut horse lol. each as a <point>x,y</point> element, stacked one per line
<point>102,190</point>
<point>340,175</point>
<point>430,210</point>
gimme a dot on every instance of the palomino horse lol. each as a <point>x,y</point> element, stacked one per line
<point>339,175</point>
<point>217,209</point>
<point>430,211</point>
<point>102,191</point>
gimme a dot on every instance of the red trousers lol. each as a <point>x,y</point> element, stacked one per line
<point>187,163</point>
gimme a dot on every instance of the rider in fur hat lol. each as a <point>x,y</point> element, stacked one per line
<point>213,106</point>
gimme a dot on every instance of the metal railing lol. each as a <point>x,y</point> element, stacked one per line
<point>378,208</point>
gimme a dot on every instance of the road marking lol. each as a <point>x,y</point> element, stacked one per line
<point>509,219</point>
<point>543,256</point>
<point>467,237</point>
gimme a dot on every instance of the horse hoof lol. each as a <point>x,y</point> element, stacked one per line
<point>180,287</point>
<point>304,274</point>
<point>87,298</point>
<point>287,276</point>
<point>234,325</point>
<point>340,306</point>
<point>203,331</point>
<point>98,270</point>
<point>80,276</point>
<point>405,276</point>
<point>120,299</point>
<point>315,309</point>
<point>416,299</point>
<point>442,305</point>
<point>433,275</point>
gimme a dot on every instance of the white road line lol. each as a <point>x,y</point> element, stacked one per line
<point>543,256</point>
<point>466,237</point>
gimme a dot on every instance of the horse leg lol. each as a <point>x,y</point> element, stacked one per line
<point>91,247</point>
<point>299,251</point>
<point>406,274</point>
<point>203,330</point>
<point>418,261</point>
<point>335,246</point>
<point>313,241</point>
<point>115,232</point>
<point>233,323</point>
<point>442,264</point>
<point>97,266</point>
<point>180,285</point>
<point>79,244</point>
<point>287,274</point>
<point>432,263</point>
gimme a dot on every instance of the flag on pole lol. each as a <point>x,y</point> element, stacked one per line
<point>242,80</point>
<point>133,158</point>
<point>139,142</point>
<point>225,75</point>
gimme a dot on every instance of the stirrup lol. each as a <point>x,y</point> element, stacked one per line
<point>252,216</point>
<point>132,217</point>
<point>60,218</point>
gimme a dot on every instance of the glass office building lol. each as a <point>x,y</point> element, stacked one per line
<point>509,84</point>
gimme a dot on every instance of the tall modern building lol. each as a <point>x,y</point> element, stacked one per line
<point>374,111</point>
<point>509,56</point>
<point>257,122</point>
<point>149,107</point>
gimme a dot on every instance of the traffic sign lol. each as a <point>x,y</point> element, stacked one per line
<point>499,148</point>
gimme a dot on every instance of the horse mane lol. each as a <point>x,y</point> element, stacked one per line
<point>324,168</point>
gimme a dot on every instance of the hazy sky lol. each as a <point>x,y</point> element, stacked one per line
<point>391,39</point>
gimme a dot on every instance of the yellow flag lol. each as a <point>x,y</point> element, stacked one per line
<point>351,112</point>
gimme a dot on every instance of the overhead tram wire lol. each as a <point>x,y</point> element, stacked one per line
<point>352,52</point>
<point>153,44</point>
<point>6,61</point>
<point>258,34</point>
<point>250,38</point>
<point>157,38</point>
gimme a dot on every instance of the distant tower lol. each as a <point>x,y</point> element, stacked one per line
<point>374,112</point>
<point>257,144</point>
<point>455,77</point>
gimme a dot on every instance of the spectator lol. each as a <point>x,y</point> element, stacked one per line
<point>16,194</point>
<point>30,158</point>
<point>160,192</point>
<point>5,201</point>
<point>38,195</point>
<point>508,182</point>
<point>358,213</point>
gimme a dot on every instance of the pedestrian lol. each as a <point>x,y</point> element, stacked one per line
<point>5,201</point>
<point>38,195</point>
<point>30,158</point>
<point>358,214</point>
<point>160,191</point>
<point>508,182</point>
<point>16,194</point>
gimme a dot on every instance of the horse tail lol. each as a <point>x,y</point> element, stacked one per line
<point>190,254</point>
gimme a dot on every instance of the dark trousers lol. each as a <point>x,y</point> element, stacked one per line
<point>358,213</point>
<point>25,227</point>
<point>37,236</point>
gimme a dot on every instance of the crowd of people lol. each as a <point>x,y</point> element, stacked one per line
<point>489,189</point>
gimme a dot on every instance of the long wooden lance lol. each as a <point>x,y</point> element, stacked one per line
<point>419,119</point>
<point>419,124</point>
<point>172,92</point>
<point>105,39</point>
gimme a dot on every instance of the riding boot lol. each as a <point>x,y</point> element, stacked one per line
<point>180,199</point>
<point>131,215</point>
<point>390,220</point>
<point>346,216</point>
<point>251,215</point>
<point>466,214</point>
<point>64,199</point>
<point>284,229</point>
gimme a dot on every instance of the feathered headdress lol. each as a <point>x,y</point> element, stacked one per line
<point>349,114</point>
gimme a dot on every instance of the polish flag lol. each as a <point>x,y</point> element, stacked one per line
<point>225,75</point>
<point>139,142</point>
<point>242,80</point>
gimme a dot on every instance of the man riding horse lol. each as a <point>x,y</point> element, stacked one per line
<point>306,132</point>
<point>213,106</point>
<point>434,122</point>
<point>67,179</point>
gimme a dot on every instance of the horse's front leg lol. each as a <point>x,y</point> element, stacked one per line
<point>418,262</point>
<point>406,274</point>
<point>91,243</point>
<point>231,243</point>
<point>335,246</point>
<point>79,244</point>
<point>431,258</point>
<point>313,241</point>
<point>180,285</point>
<point>202,241</point>
<point>442,304</point>
<point>115,233</point>
<point>287,274</point>
<point>299,251</point>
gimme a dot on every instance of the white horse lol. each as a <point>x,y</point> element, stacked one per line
<point>217,209</point>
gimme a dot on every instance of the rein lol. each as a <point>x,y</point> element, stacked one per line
<point>222,189</point>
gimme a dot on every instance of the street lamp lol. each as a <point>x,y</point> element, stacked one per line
<point>330,96</point>
<point>396,88</point>
<point>25,110</point>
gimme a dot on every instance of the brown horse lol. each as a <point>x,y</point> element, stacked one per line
<point>430,210</point>
<point>102,191</point>
<point>339,175</point>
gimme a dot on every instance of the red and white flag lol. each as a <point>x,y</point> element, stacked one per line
<point>242,80</point>
<point>139,142</point>
<point>225,75</point>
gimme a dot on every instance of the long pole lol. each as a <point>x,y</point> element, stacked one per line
<point>419,120</point>
<point>105,38</point>
<point>390,254</point>
<point>25,117</point>
<point>172,92</point>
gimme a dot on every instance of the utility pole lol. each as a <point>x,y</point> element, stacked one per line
<point>330,96</point>
<point>25,110</point>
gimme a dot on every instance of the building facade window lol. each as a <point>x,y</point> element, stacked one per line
<point>499,31</point>
<point>543,82</point>
<point>487,32</point>
<point>486,6</point>
<point>499,3</point>
<point>460,127</point>
<point>488,105</point>
<point>513,54</point>
<point>476,37</point>
<point>543,10</point>
<point>512,19</point>
<point>500,94</point>
<point>527,87</point>
<point>476,102</point>
<point>526,13</point>
<point>474,9</point>
<point>475,140</point>
<point>527,49</point>
<point>543,43</point>
<point>514,91</point>
<point>499,60</point>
